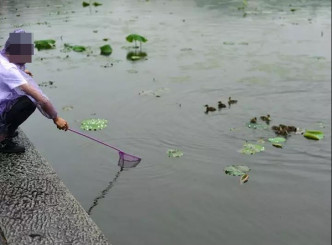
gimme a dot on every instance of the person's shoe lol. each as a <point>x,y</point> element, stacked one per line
<point>8,146</point>
<point>11,136</point>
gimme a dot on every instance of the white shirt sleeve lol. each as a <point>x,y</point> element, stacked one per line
<point>13,78</point>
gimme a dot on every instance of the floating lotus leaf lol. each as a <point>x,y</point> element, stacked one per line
<point>76,48</point>
<point>174,153</point>
<point>96,4</point>
<point>135,37</point>
<point>277,145</point>
<point>251,149</point>
<point>277,140</point>
<point>257,125</point>
<point>236,170</point>
<point>44,44</point>
<point>314,134</point>
<point>93,124</point>
<point>106,50</point>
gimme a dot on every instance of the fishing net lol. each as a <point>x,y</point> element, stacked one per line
<point>128,161</point>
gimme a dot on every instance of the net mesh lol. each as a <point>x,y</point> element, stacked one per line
<point>127,160</point>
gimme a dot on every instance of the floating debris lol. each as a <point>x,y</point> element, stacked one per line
<point>244,178</point>
<point>49,84</point>
<point>67,108</point>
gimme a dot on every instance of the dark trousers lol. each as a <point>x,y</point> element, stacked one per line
<point>20,111</point>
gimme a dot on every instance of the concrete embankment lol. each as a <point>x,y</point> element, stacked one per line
<point>36,207</point>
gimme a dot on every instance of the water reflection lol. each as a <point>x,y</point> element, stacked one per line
<point>136,55</point>
<point>104,192</point>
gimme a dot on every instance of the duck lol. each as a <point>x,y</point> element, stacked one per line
<point>253,120</point>
<point>266,118</point>
<point>221,105</point>
<point>230,101</point>
<point>209,108</point>
<point>275,128</point>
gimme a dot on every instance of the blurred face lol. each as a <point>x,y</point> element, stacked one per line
<point>19,59</point>
<point>21,48</point>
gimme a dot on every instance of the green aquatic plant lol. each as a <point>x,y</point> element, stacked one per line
<point>136,38</point>
<point>174,153</point>
<point>106,50</point>
<point>277,140</point>
<point>76,48</point>
<point>313,134</point>
<point>96,4</point>
<point>236,170</point>
<point>250,149</point>
<point>85,4</point>
<point>93,124</point>
<point>44,44</point>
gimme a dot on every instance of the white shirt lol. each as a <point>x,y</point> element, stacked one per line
<point>10,78</point>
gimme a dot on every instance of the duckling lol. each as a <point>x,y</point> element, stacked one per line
<point>275,128</point>
<point>253,120</point>
<point>209,108</point>
<point>282,132</point>
<point>230,101</point>
<point>266,118</point>
<point>291,129</point>
<point>221,105</point>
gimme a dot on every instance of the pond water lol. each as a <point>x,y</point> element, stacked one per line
<point>273,57</point>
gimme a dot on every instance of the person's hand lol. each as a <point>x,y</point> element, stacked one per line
<point>61,123</point>
<point>29,73</point>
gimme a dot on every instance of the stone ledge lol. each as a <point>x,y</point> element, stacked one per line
<point>36,207</point>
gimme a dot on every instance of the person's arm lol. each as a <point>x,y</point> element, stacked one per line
<point>46,105</point>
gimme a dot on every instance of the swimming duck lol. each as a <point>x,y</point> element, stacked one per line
<point>230,101</point>
<point>275,128</point>
<point>221,105</point>
<point>266,118</point>
<point>209,108</point>
<point>253,120</point>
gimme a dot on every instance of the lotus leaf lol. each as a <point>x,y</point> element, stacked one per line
<point>236,170</point>
<point>277,140</point>
<point>314,134</point>
<point>106,50</point>
<point>85,4</point>
<point>277,145</point>
<point>135,37</point>
<point>44,44</point>
<point>257,126</point>
<point>94,124</point>
<point>76,48</point>
<point>96,4</point>
<point>251,149</point>
<point>174,153</point>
